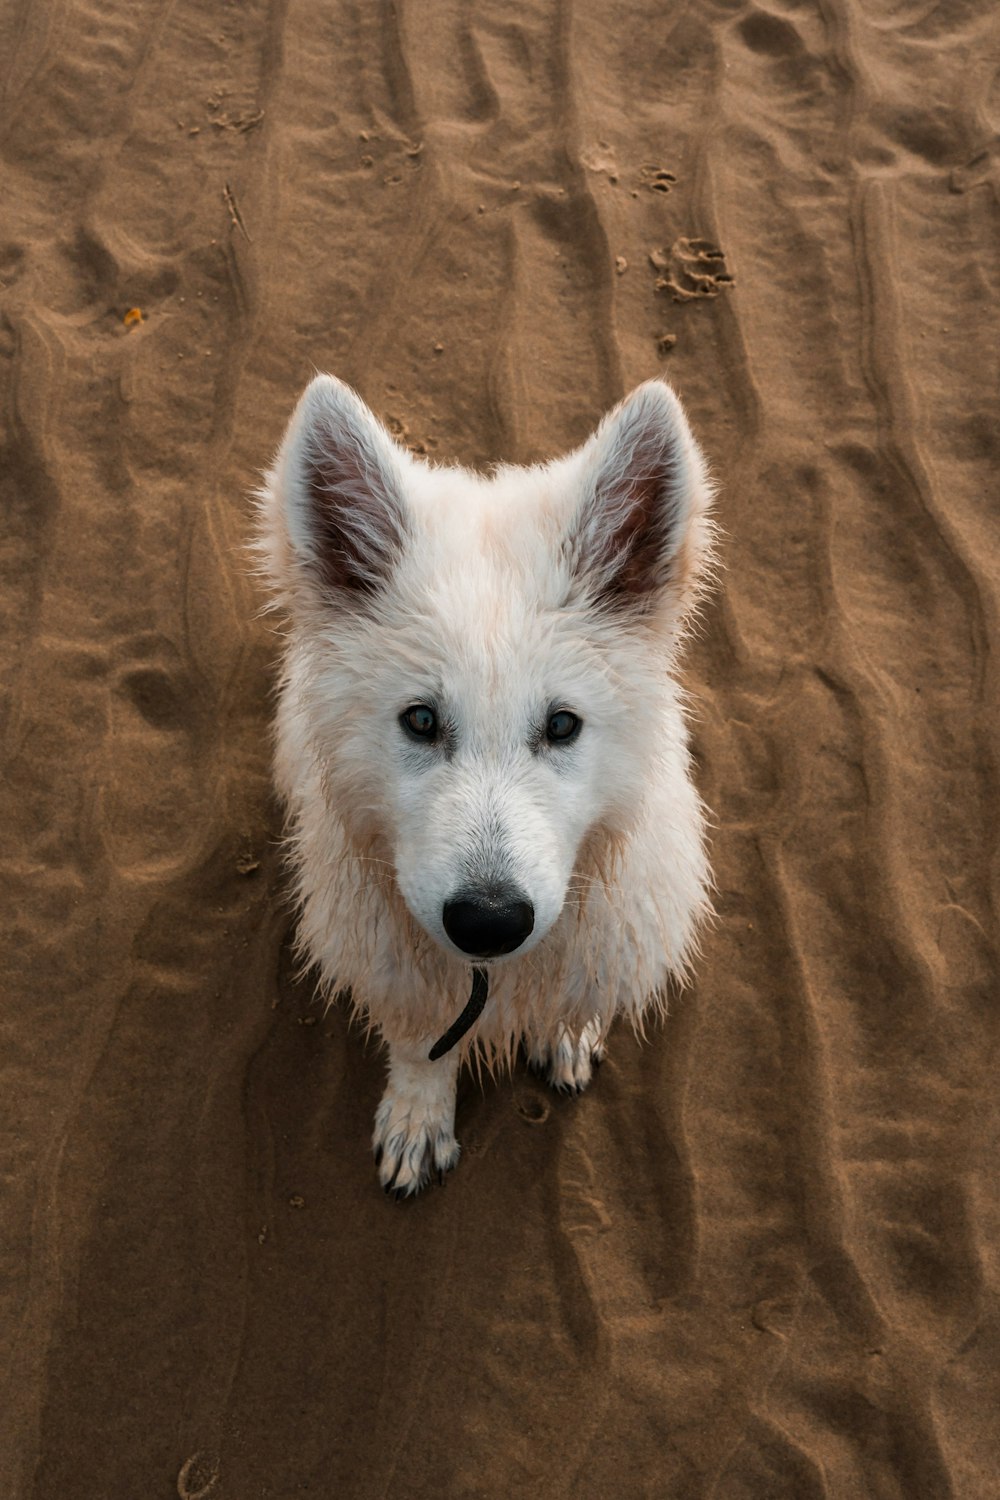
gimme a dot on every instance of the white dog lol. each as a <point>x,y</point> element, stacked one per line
<point>481,742</point>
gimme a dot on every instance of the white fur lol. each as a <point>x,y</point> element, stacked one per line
<point>488,597</point>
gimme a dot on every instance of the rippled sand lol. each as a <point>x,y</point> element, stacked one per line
<point>760,1258</point>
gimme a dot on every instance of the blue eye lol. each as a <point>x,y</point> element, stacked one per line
<point>562,727</point>
<point>420,721</point>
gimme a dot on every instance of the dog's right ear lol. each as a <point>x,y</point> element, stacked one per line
<point>342,481</point>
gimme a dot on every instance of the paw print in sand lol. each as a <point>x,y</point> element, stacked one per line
<point>402,433</point>
<point>690,270</point>
<point>657,179</point>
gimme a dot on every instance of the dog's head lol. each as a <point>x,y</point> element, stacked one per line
<point>483,662</point>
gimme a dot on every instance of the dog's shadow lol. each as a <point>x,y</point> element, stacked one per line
<point>395,1315</point>
<point>360,1300</point>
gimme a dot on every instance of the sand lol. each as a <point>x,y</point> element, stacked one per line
<point>760,1258</point>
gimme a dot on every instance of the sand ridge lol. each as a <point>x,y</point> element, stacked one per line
<point>759,1259</point>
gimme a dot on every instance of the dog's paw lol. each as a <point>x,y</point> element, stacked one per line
<point>568,1064</point>
<point>412,1144</point>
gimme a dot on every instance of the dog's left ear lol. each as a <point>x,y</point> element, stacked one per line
<point>642,525</point>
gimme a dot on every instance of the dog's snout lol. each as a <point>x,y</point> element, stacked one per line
<point>488,923</point>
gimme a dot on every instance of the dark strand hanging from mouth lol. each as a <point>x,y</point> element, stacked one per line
<point>469,1016</point>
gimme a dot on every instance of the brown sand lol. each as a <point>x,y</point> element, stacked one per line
<point>760,1259</point>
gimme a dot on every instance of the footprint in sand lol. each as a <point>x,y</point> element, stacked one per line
<point>152,766</point>
<point>691,270</point>
<point>657,179</point>
<point>401,431</point>
<point>198,1477</point>
<point>12,261</point>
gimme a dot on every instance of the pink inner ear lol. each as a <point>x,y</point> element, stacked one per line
<point>633,539</point>
<point>636,562</point>
<point>355,514</point>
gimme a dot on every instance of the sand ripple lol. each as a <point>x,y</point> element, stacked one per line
<point>759,1260</point>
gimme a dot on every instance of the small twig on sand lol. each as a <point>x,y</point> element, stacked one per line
<point>234,211</point>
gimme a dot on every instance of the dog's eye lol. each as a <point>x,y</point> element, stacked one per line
<point>562,727</point>
<point>420,721</point>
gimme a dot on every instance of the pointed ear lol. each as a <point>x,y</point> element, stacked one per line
<point>642,526</point>
<point>344,505</point>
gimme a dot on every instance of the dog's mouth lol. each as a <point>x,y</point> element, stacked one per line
<point>470,1015</point>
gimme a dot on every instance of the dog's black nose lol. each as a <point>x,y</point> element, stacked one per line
<point>488,923</point>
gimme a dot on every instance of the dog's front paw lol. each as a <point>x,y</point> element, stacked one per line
<point>412,1144</point>
<point>415,1123</point>
<point>568,1063</point>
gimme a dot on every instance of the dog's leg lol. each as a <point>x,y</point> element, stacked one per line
<point>415,1123</point>
<point>568,1062</point>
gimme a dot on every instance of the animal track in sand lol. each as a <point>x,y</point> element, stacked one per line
<point>600,159</point>
<point>657,179</point>
<point>198,1477</point>
<point>691,270</point>
<point>156,697</point>
<point>150,768</point>
<point>531,1106</point>
<point>402,434</point>
<point>12,262</point>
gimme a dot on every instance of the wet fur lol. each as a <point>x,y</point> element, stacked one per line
<point>504,592</point>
